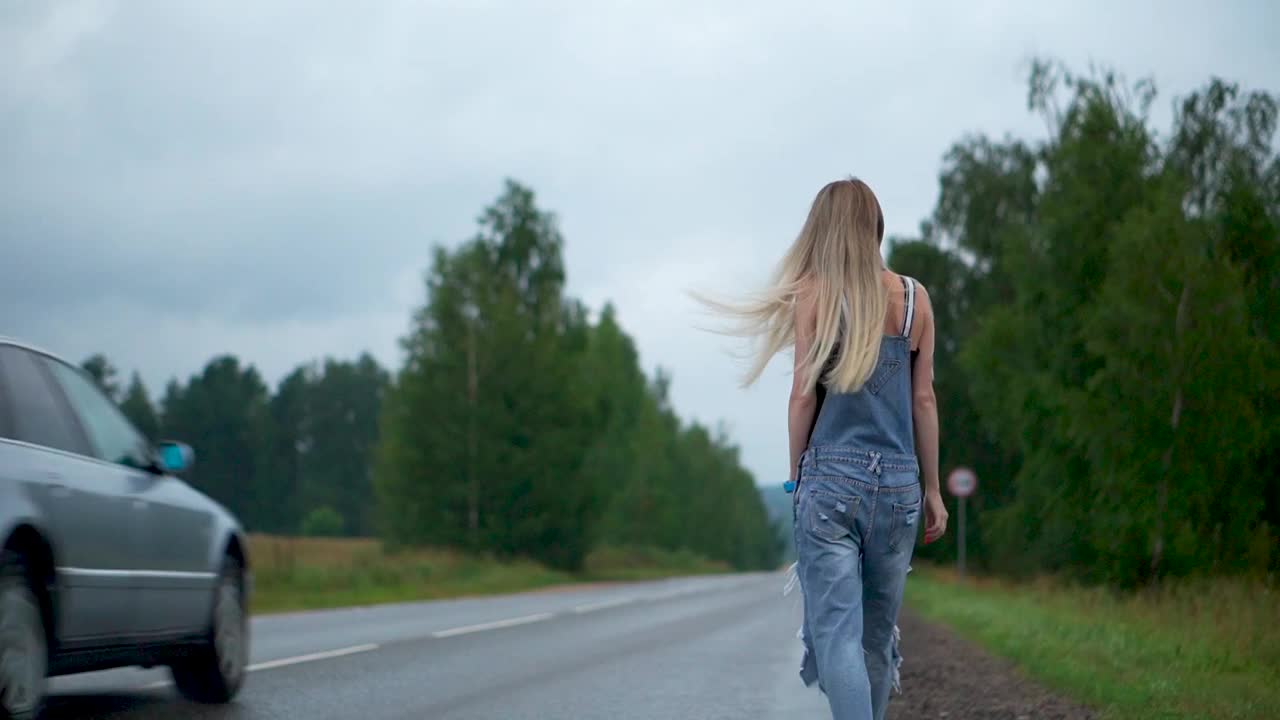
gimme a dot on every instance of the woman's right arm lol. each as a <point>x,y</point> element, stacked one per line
<point>925,414</point>
<point>803,405</point>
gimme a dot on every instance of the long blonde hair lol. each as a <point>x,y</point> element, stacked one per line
<point>835,261</point>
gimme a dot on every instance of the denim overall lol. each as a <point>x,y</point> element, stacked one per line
<point>856,510</point>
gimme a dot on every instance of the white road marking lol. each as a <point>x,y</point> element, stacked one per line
<point>604,605</point>
<point>312,657</point>
<point>464,630</point>
<point>691,590</point>
<point>283,662</point>
<point>493,625</point>
<point>673,594</point>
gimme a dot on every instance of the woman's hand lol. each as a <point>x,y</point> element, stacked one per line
<point>935,516</point>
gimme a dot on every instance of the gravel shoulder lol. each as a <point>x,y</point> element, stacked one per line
<point>946,676</point>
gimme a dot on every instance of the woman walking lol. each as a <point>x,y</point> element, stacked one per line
<point>863,428</point>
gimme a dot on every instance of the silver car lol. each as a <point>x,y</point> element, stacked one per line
<point>108,559</point>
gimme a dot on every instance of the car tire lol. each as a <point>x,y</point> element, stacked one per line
<point>24,647</point>
<point>213,672</point>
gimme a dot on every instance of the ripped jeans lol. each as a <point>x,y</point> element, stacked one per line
<point>856,519</point>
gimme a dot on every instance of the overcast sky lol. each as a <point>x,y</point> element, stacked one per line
<point>181,179</point>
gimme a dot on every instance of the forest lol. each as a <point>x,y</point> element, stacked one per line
<point>521,425</point>
<point>1108,345</point>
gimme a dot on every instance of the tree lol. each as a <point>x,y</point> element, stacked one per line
<point>1109,300</point>
<point>138,408</point>
<point>288,442</point>
<point>520,427</point>
<point>336,440</point>
<point>222,414</point>
<point>483,419</point>
<point>322,522</point>
<point>103,373</point>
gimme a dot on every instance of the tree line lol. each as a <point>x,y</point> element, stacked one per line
<point>1109,350</point>
<point>519,425</point>
<point>293,460</point>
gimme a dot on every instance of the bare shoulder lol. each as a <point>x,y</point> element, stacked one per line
<point>923,324</point>
<point>922,297</point>
<point>894,280</point>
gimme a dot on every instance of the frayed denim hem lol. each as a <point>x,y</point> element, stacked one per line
<point>809,666</point>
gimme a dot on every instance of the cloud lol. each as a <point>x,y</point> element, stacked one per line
<point>268,179</point>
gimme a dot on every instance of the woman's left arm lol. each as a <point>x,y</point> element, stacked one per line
<point>804,400</point>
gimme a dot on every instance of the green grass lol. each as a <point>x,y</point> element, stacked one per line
<point>313,573</point>
<point>1191,649</point>
<point>645,563</point>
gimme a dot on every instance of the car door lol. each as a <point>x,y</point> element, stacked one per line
<point>84,502</point>
<point>178,529</point>
<point>173,529</point>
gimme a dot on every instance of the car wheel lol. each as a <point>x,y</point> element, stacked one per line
<point>24,650</point>
<point>214,671</point>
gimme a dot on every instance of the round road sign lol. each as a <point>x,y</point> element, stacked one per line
<point>962,482</point>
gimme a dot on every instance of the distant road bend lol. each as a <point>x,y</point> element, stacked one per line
<point>711,647</point>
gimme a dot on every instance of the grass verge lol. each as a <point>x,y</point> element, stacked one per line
<point>646,563</point>
<point>314,573</point>
<point>1191,649</point>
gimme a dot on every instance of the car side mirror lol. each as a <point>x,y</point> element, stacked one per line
<point>175,457</point>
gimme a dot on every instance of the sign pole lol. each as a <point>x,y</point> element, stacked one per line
<point>961,482</point>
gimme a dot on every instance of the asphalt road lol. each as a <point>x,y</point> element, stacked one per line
<point>721,647</point>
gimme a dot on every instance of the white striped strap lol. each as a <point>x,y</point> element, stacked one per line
<point>909,287</point>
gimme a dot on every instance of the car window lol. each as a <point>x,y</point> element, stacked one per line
<point>114,438</point>
<point>6,412</point>
<point>37,413</point>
